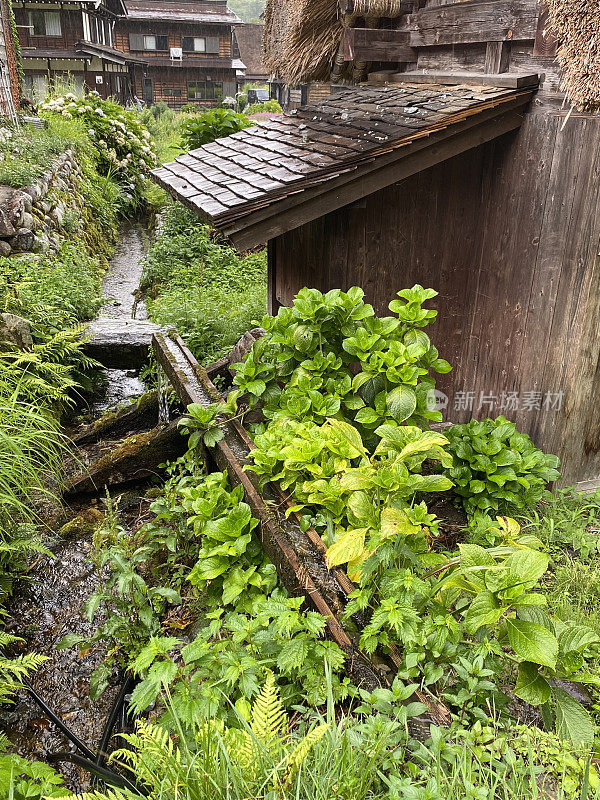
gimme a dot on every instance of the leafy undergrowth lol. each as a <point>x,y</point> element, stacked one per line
<point>206,290</point>
<point>196,611</point>
<point>53,292</point>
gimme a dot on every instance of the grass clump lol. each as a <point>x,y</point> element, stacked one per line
<point>27,153</point>
<point>209,292</point>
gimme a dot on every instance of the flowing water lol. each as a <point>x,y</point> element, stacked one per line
<point>50,603</point>
<point>120,286</point>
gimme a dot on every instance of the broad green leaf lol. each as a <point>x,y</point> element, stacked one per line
<point>527,565</point>
<point>573,722</point>
<point>532,687</point>
<point>401,403</point>
<point>361,506</point>
<point>435,483</point>
<point>576,638</point>
<point>350,435</point>
<point>484,610</point>
<point>347,548</point>
<point>353,480</point>
<point>532,642</point>
<point>293,654</point>
<point>395,521</point>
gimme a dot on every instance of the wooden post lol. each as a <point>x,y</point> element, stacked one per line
<point>497,57</point>
<point>273,303</point>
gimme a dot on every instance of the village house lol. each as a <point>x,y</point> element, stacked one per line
<point>189,48</point>
<point>467,161</point>
<point>9,78</point>
<point>74,43</point>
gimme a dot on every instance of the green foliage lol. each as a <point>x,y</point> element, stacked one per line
<point>26,153</point>
<point>26,780</point>
<point>496,469</point>
<point>212,125</point>
<point>123,147</point>
<point>13,670</point>
<point>369,501</point>
<point>302,367</point>
<point>209,292</point>
<point>202,549</point>
<point>270,107</point>
<point>567,520</point>
<point>30,445</point>
<point>249,10</point>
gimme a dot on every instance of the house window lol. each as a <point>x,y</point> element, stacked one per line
<point>45,23</point>
<point>205,90</point>
<point>172,92</point>
<point>156,42</point>
<point>193,44</point>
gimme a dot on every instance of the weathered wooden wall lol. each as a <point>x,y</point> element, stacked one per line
<point>509,234</point>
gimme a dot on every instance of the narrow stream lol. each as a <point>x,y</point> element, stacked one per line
<point>50,602</point>
<point>119,287</point>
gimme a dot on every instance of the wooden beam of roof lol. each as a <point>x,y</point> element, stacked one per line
<point>377,44</point>
<point>327,198</point>
<point>272,178</point>
<point>470,22</point>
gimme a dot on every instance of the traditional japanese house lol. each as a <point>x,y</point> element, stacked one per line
<point>249,41</point>
<point>189,48</point>
<point>9,77</point>
<point>466,161</point>
<point>73,42</point>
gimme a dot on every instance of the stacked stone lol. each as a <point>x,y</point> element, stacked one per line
<point>32,219</point>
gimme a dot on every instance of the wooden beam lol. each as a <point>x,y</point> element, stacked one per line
<point>470,22</point>
<point>377,44</point>
<point>497,57</point>
<point>505,81</point>
<point>546,44</point>
<point>385,172</point>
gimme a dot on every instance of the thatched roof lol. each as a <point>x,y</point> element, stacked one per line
<point>302,37</point>
<point>576,25</point>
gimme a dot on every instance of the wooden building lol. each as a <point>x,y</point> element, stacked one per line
<point>73,41</point>
<point>249,41</point>
<point>189,49</point>
<point>457,165</point>
<point>9,77</point>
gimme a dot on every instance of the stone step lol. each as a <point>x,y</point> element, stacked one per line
<point>119,344</point>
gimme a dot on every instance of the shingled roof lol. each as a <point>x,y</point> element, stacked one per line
<point>181,11</point>
<point>286,171</point>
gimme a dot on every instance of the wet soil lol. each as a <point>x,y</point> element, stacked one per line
<point>49,603</point>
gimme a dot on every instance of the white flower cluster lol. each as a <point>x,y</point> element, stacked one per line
<point>122,141</point>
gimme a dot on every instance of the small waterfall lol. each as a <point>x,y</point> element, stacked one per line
<point>164,411</point>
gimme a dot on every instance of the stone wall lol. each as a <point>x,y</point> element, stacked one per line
<point>33,218</point>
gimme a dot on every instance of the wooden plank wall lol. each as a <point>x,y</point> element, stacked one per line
<point>509,234</point>
<point>175,32</point>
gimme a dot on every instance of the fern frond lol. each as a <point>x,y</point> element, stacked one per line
<point>298,755</point>
<point>268,715</point>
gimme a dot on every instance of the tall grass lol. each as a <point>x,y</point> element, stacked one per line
<point>31,445</point>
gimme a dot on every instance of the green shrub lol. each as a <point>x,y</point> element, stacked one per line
<point>211,126</point>
<point>209,292</point>
<point>270,107</point>
<point>27,153</point>
<point>123,146</point>
<point>496,469</point>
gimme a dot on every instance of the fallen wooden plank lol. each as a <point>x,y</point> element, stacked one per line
<point>141,415</point>
<point>134,459</point>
